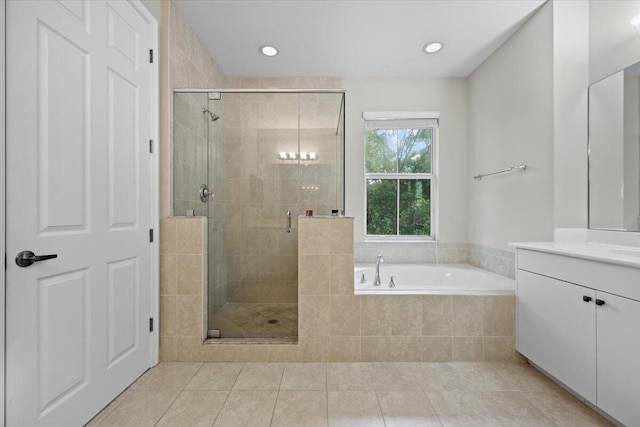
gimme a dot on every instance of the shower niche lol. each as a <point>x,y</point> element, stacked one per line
<point>265,157</point>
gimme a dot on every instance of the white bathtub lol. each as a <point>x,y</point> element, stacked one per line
<point>425,279</point>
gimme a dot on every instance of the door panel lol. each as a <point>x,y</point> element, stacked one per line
<point>63,124</point>
<point>63,328</point>
<point>556,330</point>
<point>618,355</point>
<point>78,180</point>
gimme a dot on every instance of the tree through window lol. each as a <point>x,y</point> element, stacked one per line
<point>399,176</point>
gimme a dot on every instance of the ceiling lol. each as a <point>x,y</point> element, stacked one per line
<point>353,38</point>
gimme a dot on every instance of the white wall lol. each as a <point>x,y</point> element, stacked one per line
<point>511,122</point>
<point>614,43</point>
<point>570,107</point>
<point>448,96</point>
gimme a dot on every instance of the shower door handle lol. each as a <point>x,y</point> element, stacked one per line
<point>288,221</point>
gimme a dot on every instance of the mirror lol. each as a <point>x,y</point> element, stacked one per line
<point>614,152</point>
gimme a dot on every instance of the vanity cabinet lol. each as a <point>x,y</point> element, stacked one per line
<point>579,321</point>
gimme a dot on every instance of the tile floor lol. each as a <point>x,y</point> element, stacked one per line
<point>252,320</point>
<point>345,394</point>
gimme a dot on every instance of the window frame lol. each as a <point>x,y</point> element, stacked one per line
<point>405,176</point>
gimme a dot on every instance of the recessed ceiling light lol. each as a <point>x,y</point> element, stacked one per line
<point>432,47</point>
<point>268,50</point>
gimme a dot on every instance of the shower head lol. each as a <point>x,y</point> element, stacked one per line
<point>214,117</point>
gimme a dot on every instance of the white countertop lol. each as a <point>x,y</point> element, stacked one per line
<point>613,254</point>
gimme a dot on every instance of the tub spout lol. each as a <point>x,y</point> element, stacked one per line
<point>376,280</point>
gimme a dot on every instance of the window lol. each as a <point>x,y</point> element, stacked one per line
<point>399,174</point>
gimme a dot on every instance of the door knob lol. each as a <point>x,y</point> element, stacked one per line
<point>26,258</point>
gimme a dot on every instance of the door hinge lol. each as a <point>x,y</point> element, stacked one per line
<point>151,235</point>
<point>151,56</point>
<point>151,324</point>
<point>151,146</point>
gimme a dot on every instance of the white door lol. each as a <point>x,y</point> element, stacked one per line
<point>78,184</point>
<point>618,356</point>
<point>556,329</point>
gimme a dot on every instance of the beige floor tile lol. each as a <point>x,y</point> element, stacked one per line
<point>479,377</point>
<point>407,409</point>
<point>167,376</point>
<point>140,408</point>
<point>435,377</point>
<point>348,376</point>
<point>513,408</point>
<point>354,408</point>
<point>260,376</point>
<point>524,377</point>
<point>300,409</point>
<point>194,408</point>
<point>458,409</point>
<point>304,376</point>
<point>564,409</point>
<point>215,376</point>
<point>104,413</point>
<point>392,377</point>
<point>247,409</point>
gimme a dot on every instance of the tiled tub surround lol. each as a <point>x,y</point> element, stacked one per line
<point>495,260</point>
<point>334,324</point>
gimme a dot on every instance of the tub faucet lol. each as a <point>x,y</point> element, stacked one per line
<point>376,280</point>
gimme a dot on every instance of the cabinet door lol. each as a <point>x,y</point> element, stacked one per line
<point>619,358</point>
<point>556,330</point>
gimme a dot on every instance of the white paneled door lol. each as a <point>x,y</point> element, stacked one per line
<point>78,186</point>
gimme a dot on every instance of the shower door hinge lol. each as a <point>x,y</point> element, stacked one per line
<point>151,56</point>
<point>151,235</point>
<point>151,146</point>
<point>151,324</point>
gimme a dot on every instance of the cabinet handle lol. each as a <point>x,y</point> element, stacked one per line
<point>586,298</point>
<point>599,302</point>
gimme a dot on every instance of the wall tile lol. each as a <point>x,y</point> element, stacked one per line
<point>190,274</point>
<point>341,236</point>
<point>344,349</point>
<point>345,315</point>
<point>188,316</point>
<point>437,349</point>
<point>498,349</point>
<point>168,315</point>
<point>406,315</point>
<point>375,315</point>
<point>168,274</point>
<point>467,316</point>
<point>190,235</point>
<point>190,349</point>
<point>406,349</point>
<point>314,316</point>
<point>168,236</point>
<point>468,349</point>
<point>437,315</point>
<point>375,349</point>
<point>314,237</point>
<point>499,315</point>
<point>168,349</point>
<point>314,279</point>
<point>314,349</point>
<point>341,273</point>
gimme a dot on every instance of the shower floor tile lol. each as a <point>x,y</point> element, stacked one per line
<point>256,320</point>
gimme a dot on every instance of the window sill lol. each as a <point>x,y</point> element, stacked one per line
<point>395,239</point>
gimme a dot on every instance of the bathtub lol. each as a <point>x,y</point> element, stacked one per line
<point>425,279</point>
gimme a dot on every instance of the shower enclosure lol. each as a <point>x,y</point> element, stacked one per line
<point>252,161</point>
